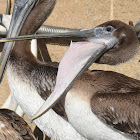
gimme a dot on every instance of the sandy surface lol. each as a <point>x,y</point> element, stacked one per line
<point>85,14</point>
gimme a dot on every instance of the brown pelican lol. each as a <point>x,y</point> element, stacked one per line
<point>13,127</point>
<point>101,104</point>
<point>30,80</point>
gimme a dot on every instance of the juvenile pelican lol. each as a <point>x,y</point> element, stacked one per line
<point>100,104</point>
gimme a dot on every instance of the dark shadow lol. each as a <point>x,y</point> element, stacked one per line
<point>39,134</point>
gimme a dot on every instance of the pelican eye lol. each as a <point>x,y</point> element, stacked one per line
<point>109,28</point>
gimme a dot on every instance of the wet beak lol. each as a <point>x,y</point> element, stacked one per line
<point>76,60</point>
<point>21,10</point>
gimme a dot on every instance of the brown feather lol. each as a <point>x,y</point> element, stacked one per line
<point>117,101</point>
<point>13,127</point>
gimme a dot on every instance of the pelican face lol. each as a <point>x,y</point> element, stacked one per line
<point>76,60</point>
<point>127,42</point>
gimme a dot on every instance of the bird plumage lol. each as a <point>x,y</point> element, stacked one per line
<point>13,127</point>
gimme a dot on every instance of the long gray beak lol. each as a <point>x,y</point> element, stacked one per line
<point>21,10</point>
<point>76,60</point>
<point>75,34</point>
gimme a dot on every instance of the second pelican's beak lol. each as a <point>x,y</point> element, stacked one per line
<point>76,60</point>
<point>21,10</point>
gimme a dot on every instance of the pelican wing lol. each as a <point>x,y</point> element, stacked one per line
<point>118,102</point>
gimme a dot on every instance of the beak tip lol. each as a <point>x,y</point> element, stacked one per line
<point>36,116</point>
<point>31,120</point>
